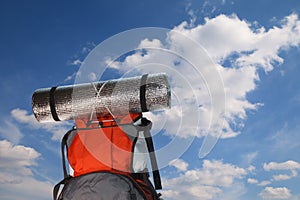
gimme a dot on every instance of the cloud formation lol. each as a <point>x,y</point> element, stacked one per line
<point>275,193</point>
<point>241,51</point>
<point>179,164</point>
<point>18,163</point>
<point>16,173</point>
<point>287,165</point>
<point>238,47</point>
<point>16,157</point>
<point>10,131</point>
<point>289,168</point>
<point>208,182</point>
<point>290,165</point>
<point>57,129</point>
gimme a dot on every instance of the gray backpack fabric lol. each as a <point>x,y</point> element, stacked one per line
<point>113,187</point>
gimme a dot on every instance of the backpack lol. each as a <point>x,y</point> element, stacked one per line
<point>107,155</point>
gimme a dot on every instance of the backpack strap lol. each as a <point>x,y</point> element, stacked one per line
<point>143,93</point>
<point>63,145</point>
<point>57,186</point>
<point>146,126</point>
<point>67,177</point>
<point>52,104</point>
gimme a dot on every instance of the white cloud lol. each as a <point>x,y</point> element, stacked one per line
<point>58,129</point>
<point>281,177</point>
<point>181,165</point>
<point>76,62</point>
<point>72,76</point>
<point>16,156</point>
<point>288,165</point>
<point>264,183</point>
<point>251,168</point>
<point>27,188</point>
<point>226,38</point>
<point>275,193</point>
<point>209,182</point>
<point>221,35</point>
<point>224,35</point>
<point>23,117</point>
<point>16,176</point>
<point>11,132</point>
<point>146,43</point>
<point>252,181</point>
<point>209,7</point>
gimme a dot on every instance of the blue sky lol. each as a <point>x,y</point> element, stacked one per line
<point>255,48</point>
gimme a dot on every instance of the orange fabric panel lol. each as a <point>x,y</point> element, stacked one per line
<point>121,150</point>
<point>82,161</point>
<point>101,149</point>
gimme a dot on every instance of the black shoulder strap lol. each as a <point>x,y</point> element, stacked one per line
<point>57,186</point>
<point>63,145</point>
<point>146,126</point>
<point>66,176</point>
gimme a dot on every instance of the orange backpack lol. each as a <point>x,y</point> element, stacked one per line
<point>106,145</point>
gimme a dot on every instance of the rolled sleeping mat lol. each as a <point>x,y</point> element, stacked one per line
<point>119,96</point>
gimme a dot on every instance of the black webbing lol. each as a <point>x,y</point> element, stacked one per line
<point>52,104</point>
<point>63,145</point>
<point>147,124</point>
<point>143,93</point>
<point>57,186</point>
<point>56,189</point>
<point>66,176</point>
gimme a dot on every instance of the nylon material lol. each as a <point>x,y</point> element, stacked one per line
<point>71,137</point>
<point>75,160</point>
<point>91,186</point>
<point>82,161</point>
<point>121,150</point>
<point>100,149</point>
<point>116,97</point>
<point>143,92</point>
<point>98,145</point>
<point>131,131</point>
<point>140,158</point>
<point>52,104</point>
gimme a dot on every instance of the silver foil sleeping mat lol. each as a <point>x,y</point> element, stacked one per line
<point>120,96</point>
